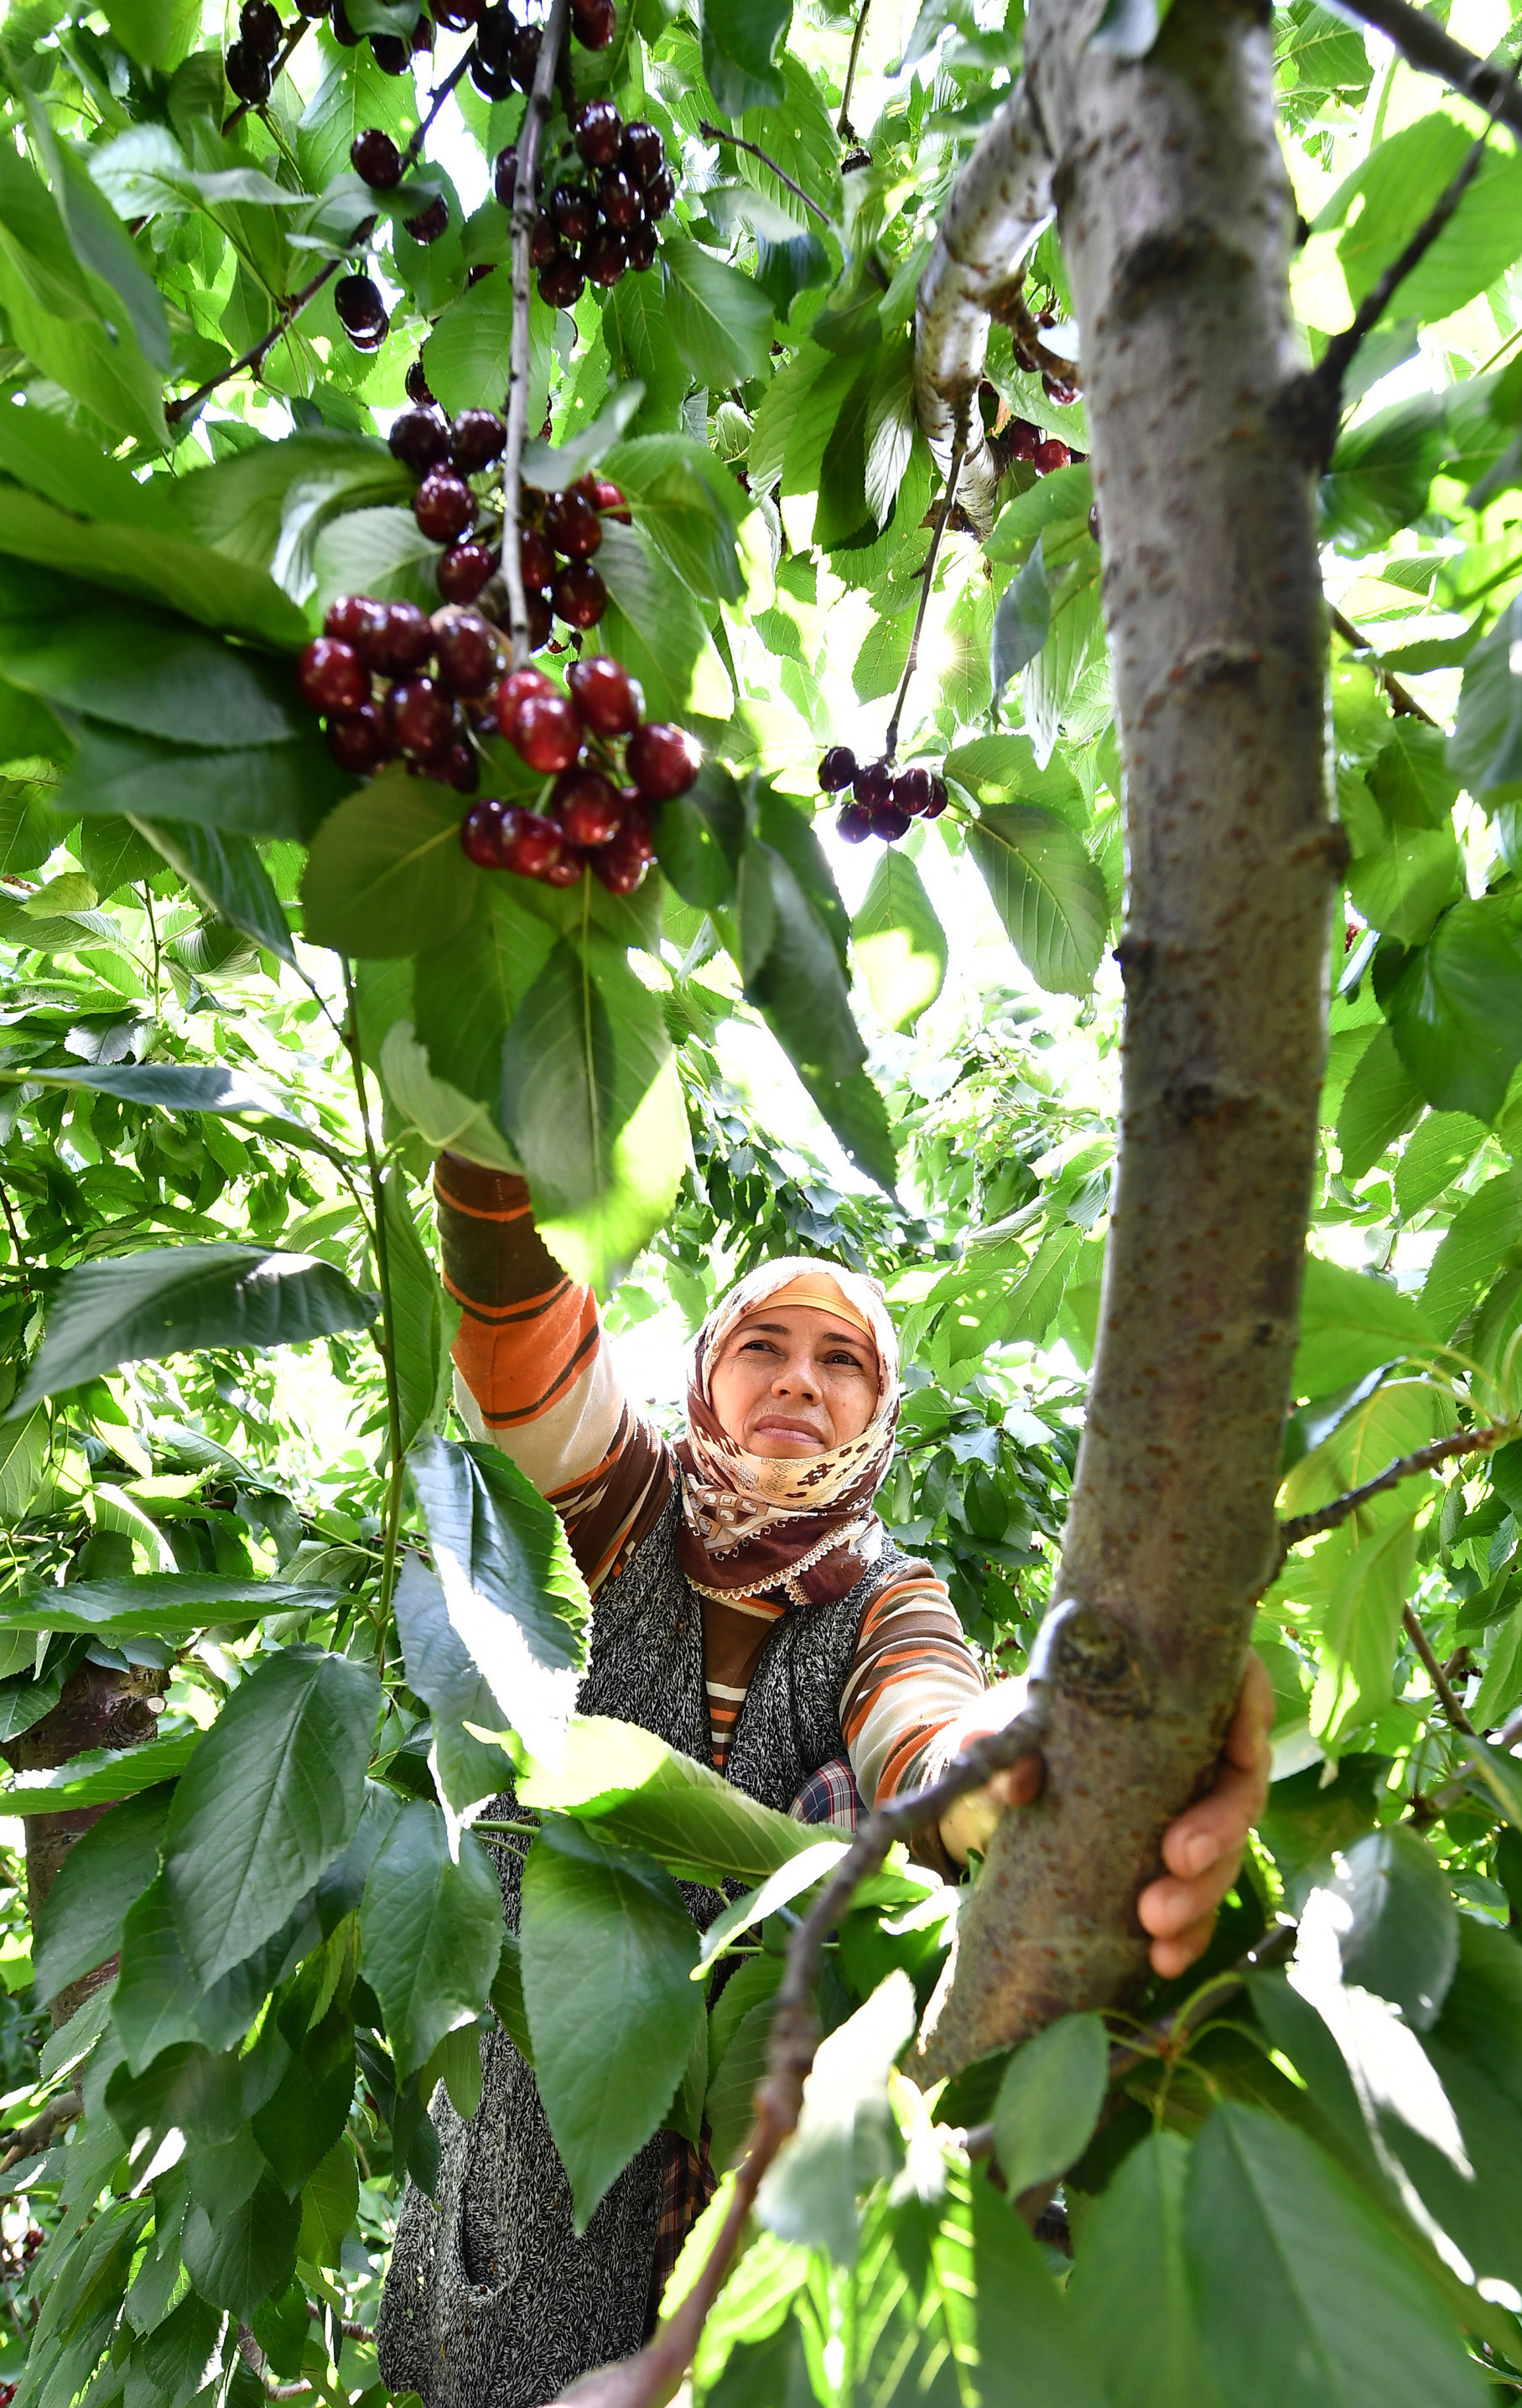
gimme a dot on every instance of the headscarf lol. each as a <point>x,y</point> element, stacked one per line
<point>805,1525</point>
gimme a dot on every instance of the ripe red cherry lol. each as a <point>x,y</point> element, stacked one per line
<point>1062,390</point>
<point>660,192</point>
<point>574,209</point>
<point>405,641</point>
<point>259,28</point>
<point>592,23</point>
<point>430,223</point>
<point>889,821</point>
<point>458,766</point>
<point>524,46</point>
<point>505,174</point>
<point>361,312</point>
<point>443,504</point>
<point>341,29</point>
<point>640,241</point>
<point>579,594</point>
<point>357,739</point>
<point>332,676</point>
<point>606,697</point>
<point>248,76</point>
<point>911,790</point>
<point>1048,455</point>
<point>642,153</point>
<point>463,569</point>
<point>546,732</point>
<point>419,717</point>
<point>663,760</point>
<point>872,783</point>
<point>567,871</point>
<point>483,831</point>
<point>418,388</point>
<point>572,524</point>
<point>419,438</point>
<point>620,197</point>
<point>938,799</point>
<point>531,846</point>
<point>1023,438</point>
<point>514,689</point>
<point>562,283</point>
<point>854,821</point>
<point>357,619</point>
<point>604,257</point>
<point>536,556</point>
<point>837,770</point>
<point>543,242</point>
<point>605,496</point>
<point>375,159</point>
<point>469,652</point>
<point>599,130</point>
<point>587,806</point>
<point>541,620</point>
<point>621,866</point>
<point>475,440</point>
<point>390,53</point>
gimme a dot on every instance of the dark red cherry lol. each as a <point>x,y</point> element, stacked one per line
<point>1062,390</point>
<point>483,831</point>
<point>514,689</point>
<point>593,22</point>
<point>544,243</point>
<point>547,732</point>
<point>620,197</point>
<point>1049,455</point>
<point>361,312</point>
<point>248,76</point>
<point>572,524</point>
<point>492,82</point>
<point>422,41</point>
<point>562,283</point>
<point>574,209</point>
<point>642,245</point>
<point>259,28</point>
<point>463,569</point>
<point>605,255</point>
<point>587,806</point>
<point>605,496</point>
<point>375,159</point>
<point>568,870</point>
<point>313,7</point>
<point>606,697</point>
<point>505,174</point>
<point>621,865</point>
<point>660,192</point>
<point>889,821</point>
<point>1022,438</point>
<point>456,766</point>
<point>598,133</point>
<point>469,652</point>
<point>390,52</point>
<point>642,153</point>
<point>417,384</point>
<point>357,739</point>
<point>662,760</point>
<point>443,504</point>
<point>524,46</point>
<point>1093,520</point>
<point>541,620</point>
<point>872,783</point>
<point>342,30</point>
<point>912,791</point>
<point>475,440</point>
<point>332,676</point>
<point>458,15</point>
<point>938,799</point>
<point>357,619</point>
<point>837,770</point>
<point>535,557</point>
<point>854,821</point>
<point>531,845</point>
<point>430,223</point>
<point>419,717</point>
<point>406,641</point>
<point>579,594</point>
<point>419,439</point>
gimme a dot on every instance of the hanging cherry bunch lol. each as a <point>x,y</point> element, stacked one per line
<point>592,232</point>
<point>507,52</point>
<point>612,770</point>
<point>885,801</point>
<point>392,682</point>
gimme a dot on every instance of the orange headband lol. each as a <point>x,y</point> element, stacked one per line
<point>819,1302</point>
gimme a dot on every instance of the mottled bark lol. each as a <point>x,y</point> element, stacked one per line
<point>1176,218</point>
<point>99,1708</point>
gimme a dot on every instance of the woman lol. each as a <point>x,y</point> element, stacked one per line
<point>751,1610</point>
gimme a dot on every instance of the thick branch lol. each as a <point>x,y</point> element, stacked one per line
<point>998,204</point>
<point>1423,44</point>
<point>526,209</point>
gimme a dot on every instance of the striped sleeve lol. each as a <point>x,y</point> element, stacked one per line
<point>911,1674</point>
<point>533,1373</point>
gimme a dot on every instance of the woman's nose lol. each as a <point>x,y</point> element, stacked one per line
<point>796,1379</point>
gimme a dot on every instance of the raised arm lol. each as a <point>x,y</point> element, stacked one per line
<point>533,1373</point>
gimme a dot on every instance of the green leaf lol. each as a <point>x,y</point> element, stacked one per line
<point>175,1299</point>
<point>718,320</point>
<point>555,465</point>
<point>385,875</point>
<point>651,1797</point>
<point>1303,2293</point>
<point>1381,472</point>
<point>157,1604</point>
<point>1401,877</point>
<point>1129,2287</point>
<point>1485,1226</point>
<point>272,1794</point>
<point>1049,2101</point>
<point>1398,1934</point>
<point>1378,1102</point>
<point>846,2138</point>
<point>143,670</point>
<point>652,623</point>
<point>1065,686</point>
<point>1400,1416</point>
<point>1440,1150</point>
<point>689,511</point>
<point>1350,1324</point>
<point>468,356</point>
<point>173,1086</point>
<point>101,1776</point>
<point>1047,891</point>
<point>1486,747</point>
<point>225,870</point>
<point>430,1933</point>
<point>422,1321</point>
<point>66,320</point>
<point>328,2206</point>
<point>740,42</point>
<point>1371,1572</point>
<point>899,941</point>
<point>1022,622</point>
<point>79,1922</point>
<point>1004,769</point>
<point>789,967</point>
<point>607,1946</point>
<point>465,993</point>
<point>513,1596</point>
<point>441,1671</point>
<point>1457,1011</point>
<point>236,2260</point>
<point>272,790</point>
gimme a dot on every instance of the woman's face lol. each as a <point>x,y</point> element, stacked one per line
<point>792,1381</point>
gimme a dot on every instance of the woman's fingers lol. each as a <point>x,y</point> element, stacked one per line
<point>1203,1848</point>
<point>1019,1786</point>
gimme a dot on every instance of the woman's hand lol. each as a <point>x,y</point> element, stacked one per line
<point>1201,1850</point>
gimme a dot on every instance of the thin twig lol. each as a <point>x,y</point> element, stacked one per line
<point>843,126</point>
<point>1435,1672</point>
<point>654,2374</point>
<point>1423,44</point>
<point>927,575</point>
<point>153,934</point>
<point>738,142</point>
<point>525,210</point>
<point>385,1343</point>
<point>23,1266</point>
<point>278,66</point>
<point>350,2331</point>
<point>1402,701</point>
<point>1425,1458</point>
<point>54,2118</point>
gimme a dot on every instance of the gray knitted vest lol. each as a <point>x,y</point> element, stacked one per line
<point>492,2301</point>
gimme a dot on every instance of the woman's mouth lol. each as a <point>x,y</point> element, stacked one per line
<point>783,1432</point>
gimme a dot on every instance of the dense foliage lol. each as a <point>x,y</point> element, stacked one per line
<point>247,993</point>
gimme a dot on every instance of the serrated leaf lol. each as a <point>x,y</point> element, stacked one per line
<point>385,874</point>
<point>1047,891</point>
<point>430,1933</point>
<point>899,941</point>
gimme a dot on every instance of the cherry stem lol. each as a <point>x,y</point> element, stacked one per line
<point>843,126</point>
<point>525,210</point>
<point>385,1338</point>
<point>277,70</point>
<point>738,142</point>
<point>927,575</point>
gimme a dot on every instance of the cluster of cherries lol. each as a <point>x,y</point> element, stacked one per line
<point>376,161</point>
<point>249,60</point>
<point>599,810</point>
<point>1027,442</point>
<point>392,682</point>
<point>883,800</point>
<point>507,54</point>
<point>593,230</point>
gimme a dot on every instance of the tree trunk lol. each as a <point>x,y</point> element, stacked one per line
<point>1175,215</point>
<point>99,1708</point>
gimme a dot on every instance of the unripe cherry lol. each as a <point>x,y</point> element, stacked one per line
<point>514,689</point>
<point>547,732</point>
<point>332,676</point>
<point>663,760</point>
<point>606,697</point>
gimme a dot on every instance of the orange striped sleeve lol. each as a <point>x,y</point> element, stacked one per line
<point>913,1673</point>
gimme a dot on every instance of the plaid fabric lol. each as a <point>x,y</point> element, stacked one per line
<point>829,1796</point>
<point>688,2182</point>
